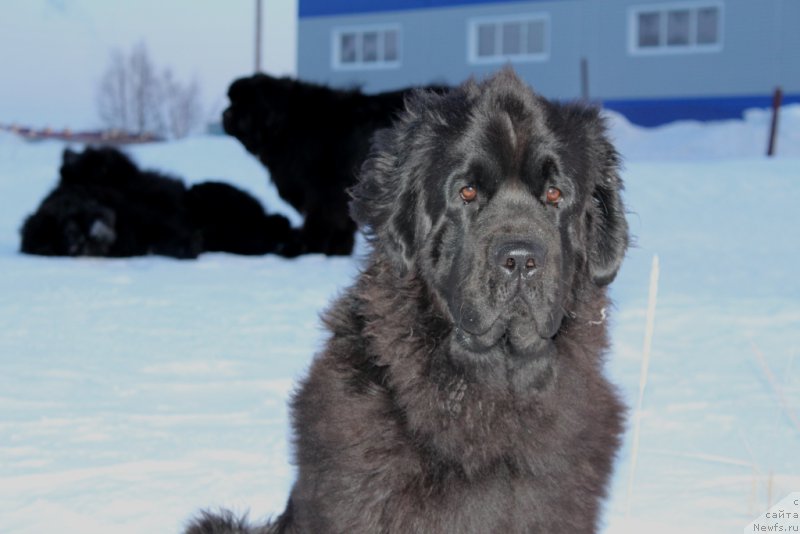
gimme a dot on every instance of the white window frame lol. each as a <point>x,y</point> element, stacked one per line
<point>359,31</point>
<point>663,9</point>
<point>472,39</point>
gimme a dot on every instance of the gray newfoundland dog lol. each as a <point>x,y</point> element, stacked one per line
<point>461,390</point>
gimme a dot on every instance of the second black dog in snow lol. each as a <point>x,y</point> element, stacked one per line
<point>313,139</point>
<point>104,205</point>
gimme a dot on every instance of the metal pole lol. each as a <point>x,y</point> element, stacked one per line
<point>585,79</point>
<point>258,36</point>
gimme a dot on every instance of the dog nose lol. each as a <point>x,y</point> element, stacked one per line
<point>519,258</point>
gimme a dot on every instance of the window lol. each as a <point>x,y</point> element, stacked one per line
<point>708,26</point>
<point>648,30</point>
<point>366,47</point>
<point>509,38</point>
<point>678,28</point>
<point>675,28</point>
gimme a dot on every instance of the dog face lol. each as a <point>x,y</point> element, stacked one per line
<point>70,224</point>
<point>505,204</point>
<point>257,107</point>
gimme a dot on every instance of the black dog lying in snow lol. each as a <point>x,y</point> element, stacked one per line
<point>104,205</point>
<point>313,139</point>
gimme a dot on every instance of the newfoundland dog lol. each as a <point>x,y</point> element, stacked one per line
<point>313,139</point>
<point>461,390</point>
<point>104,205</point>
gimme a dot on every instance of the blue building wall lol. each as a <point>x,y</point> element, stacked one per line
<point>760,49</point>
<point>317,8</point>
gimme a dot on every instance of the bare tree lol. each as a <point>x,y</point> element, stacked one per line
<point>182,104</point>
<point>112,96</point>
<point>133,97</point>
<point>145,92</point>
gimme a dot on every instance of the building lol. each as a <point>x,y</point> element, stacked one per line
<point>652,60</point>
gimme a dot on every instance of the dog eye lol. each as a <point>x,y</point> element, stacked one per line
<point>553,195</point>
<point>468,193</point>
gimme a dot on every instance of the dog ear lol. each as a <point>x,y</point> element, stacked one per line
<point>383,203</point>
<point>608,229</point>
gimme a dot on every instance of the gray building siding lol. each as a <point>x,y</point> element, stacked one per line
<point>435,49</point>
<point>760,49</point>
<point>752,61</point>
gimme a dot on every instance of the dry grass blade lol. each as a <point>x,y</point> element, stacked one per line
<point>776,388</point>
<point>648,343</point>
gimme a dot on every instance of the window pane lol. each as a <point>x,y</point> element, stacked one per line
<point>511,38</point>
<point>486,34</point>
<point>369,44</point>
<point>347,48</point>
<point>536,37</point>
<point>708,25</point>
<point>649,29</point>
<point>678,28</point>
<point>390,45</point>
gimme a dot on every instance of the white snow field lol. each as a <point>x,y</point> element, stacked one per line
<point>134,392</point>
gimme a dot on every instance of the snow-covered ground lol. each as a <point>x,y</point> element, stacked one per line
<point>133,392</point>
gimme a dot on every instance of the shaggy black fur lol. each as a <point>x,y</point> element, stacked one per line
<point>461,390</point>
<point>104,205</point>
<point>231,220</point>
<point>313,139</point>
<point>70,221</point>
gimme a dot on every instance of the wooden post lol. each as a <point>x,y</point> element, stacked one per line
<point>777,99</point>
<point>258,36</point>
